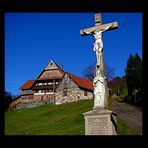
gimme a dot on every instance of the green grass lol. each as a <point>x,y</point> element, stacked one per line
<point>125,129</point>
<point>65,119</point>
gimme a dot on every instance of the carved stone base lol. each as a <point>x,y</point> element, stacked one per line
<point>100,121</point>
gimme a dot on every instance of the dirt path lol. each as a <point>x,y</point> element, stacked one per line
<point>131,114</point>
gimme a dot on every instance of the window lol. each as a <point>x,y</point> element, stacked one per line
<point>49,83</point>
<point>85,93</point>
<point>42,98</point>
<point>65,92</point>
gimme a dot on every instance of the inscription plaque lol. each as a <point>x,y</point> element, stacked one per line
<point>100,122</point>
<point>97,126</point>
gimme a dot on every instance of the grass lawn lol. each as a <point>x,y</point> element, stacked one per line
<point>124,129</point>
<point>65,119</point>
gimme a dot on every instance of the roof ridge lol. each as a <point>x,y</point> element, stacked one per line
<point>81,82</point>
<point>78,76</point>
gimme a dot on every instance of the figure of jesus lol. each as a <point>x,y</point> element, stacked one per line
<point>98,45</point>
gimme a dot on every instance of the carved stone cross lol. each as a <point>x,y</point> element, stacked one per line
<point>99,27</point>
<point>99,82</point>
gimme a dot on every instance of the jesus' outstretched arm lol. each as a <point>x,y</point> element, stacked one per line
<point>86,32</point>
<point>107,27</point>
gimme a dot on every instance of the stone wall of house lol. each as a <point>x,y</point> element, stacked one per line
<point>61,96</point>
<point>68,91</point>
<point>47,98</point>
<point>72,95</point>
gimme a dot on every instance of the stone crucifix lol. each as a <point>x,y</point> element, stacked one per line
<point>99,82</point>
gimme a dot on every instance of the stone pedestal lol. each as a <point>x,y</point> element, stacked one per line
<point>100,121</point>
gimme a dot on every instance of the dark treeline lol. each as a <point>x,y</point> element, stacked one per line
<point>133,73</point>
<point>8,99</point>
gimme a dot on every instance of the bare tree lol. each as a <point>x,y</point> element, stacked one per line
<point>88,72</point>
<point>109,72</point>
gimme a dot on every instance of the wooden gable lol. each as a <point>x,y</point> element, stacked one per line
<point>51,65</point>
<point>72,81</point>
<point>66,83</point>
<point>51,71</point>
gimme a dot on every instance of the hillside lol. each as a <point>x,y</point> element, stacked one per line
<point>65,119</point>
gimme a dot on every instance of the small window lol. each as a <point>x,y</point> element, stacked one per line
<point>42,98</point>
<point>51,64</point>
<point>85,93</point>
<point>65,92</point>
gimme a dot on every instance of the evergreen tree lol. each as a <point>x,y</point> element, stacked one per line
<point>129,72</point>
<point>133,73</point>
<point>138,71</point>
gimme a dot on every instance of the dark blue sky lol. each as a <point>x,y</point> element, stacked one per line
<point>33,39</point>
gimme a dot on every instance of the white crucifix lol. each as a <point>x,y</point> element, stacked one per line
<point>99,81</point>
<point>97,31</point>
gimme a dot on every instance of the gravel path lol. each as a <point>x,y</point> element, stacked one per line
<point>129,113</point>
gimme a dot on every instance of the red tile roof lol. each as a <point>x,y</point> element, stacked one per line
<point>27,84</point>
<point>81,82</point>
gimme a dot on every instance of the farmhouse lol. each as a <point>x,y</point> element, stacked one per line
<point>53,85</point>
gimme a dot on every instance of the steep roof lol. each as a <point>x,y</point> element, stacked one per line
<point>81,82</point>
<point>27,84</point>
